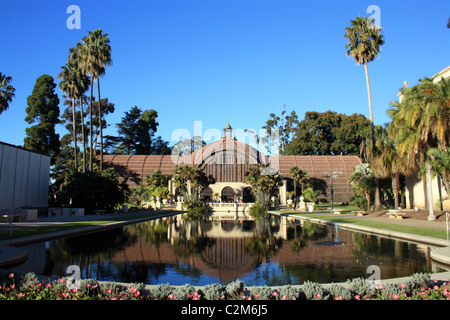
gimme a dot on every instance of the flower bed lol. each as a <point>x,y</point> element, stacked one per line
<point>29,287</point>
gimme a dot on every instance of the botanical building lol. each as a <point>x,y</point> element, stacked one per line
<point>227,161</point>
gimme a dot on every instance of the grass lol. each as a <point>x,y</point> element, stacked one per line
<point>17,233</point>
<point>439,234</point>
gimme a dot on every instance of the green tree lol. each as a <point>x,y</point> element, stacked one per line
<point>137,133</point>
<point>6,92</point>
<point>73,83</point>
<point>280,128</point>
<point>328,133</point>
<point>95,54</point>
<point>363,181</point>
<point>43,108</point>
<point>364,43</point>
<point>265,181</point>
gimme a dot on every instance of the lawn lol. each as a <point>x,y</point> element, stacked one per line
<point>427,232</point>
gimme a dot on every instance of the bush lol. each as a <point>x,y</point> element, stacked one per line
<point>259,211</point>
<point>196,211</point>
<point>94,191</point>
<point>360,202</point>
<point>29,287</point>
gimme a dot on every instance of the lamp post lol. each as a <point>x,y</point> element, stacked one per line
<point>332,192</point>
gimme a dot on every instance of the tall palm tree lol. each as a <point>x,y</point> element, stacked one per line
<point>67,85</point>
<point>82,85</point>
<point>6,92</point>
<point>96,55</point>
<point>364,43</point>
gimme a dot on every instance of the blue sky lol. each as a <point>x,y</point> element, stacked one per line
<point>224,60</point>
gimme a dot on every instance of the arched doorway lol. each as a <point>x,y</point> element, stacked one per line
<point>247,195</point>
<point>227,194</point>
<point>207,194</point>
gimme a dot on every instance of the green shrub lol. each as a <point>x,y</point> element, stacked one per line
<point>196,211</point>
<point>214,291</point>
<point>259,211</point>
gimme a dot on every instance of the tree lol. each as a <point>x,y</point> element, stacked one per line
<point>420,122</point>
<point>6,92</point>
<point>363,181</point>
<point>136,133</point>
<point>190,181</point>
<point>43,107</point>
<point>280,128</point>
<point>299,176</point>
<point>94,53</point>
<point>390,164</point>
<point>328,133</point>
<point>264,181</point>
<point>364,43</point>
<point>73,83</point>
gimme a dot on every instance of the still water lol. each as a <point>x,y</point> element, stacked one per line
<point>276,252</point>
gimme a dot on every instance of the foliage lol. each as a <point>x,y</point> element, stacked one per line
<point>190,181</point>
<point>329,133</point>
<point>311,195</point>
<point>29,287</point>
<point>136,134</point>
<point>314,291</point>
<point>360,202</point>
<point>259,211</point>
<point>196,210</point>
<point>6,92</point>
<point>94,191</point>
<point>363,181</point>
<point>264,181</point>
<point>214,291</point>
<point>43,108</point>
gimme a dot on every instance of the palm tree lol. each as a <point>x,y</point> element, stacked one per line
<point>299,176</point>
<point>82,84</point>
<point>67,84</point>
<point>6,92</point>
<point>364,43</point>
<point>390,164</point>
<point>95,56</point>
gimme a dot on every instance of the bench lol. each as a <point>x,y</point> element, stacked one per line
<point>359,213</point>
<point>99,212</point>
<point>395,215</point>
<point>337,211</point>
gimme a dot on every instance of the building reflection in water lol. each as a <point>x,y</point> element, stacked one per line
<point>222,249</point>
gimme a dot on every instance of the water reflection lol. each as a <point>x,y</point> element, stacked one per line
<point>267,252</point>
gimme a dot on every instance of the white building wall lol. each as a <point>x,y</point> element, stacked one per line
<point>24,178</point>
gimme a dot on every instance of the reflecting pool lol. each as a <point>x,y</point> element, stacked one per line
<point>276,252</point>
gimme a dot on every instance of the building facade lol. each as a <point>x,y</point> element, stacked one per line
<point>227,161</point>
<point>24,179</point>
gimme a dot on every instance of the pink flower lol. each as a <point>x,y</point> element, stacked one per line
<point>357,297</point>
<point>317,295</point>
<point>283,297</point>
<point>436,287</point>
<point>11,275</point>
<point>402,286</point>
<point>338,298</point>
<point>249,298</point>
<point>275,294</point>
<point>395,297</point>
<point>257,296</point>
<point>20,295</point>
